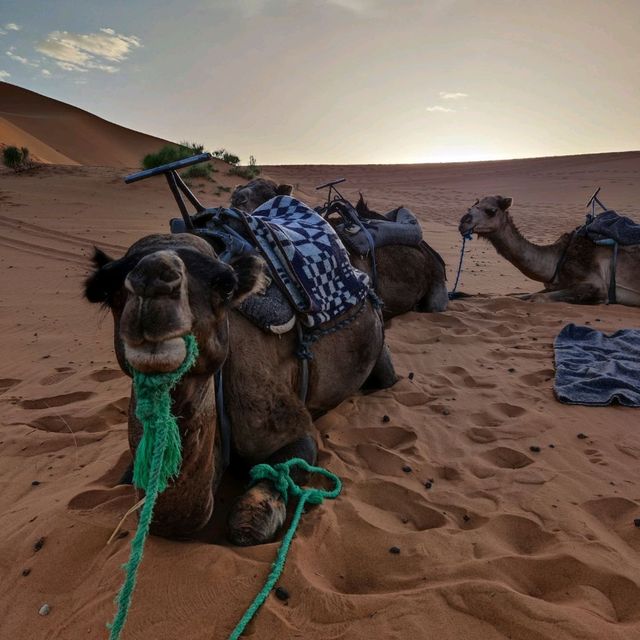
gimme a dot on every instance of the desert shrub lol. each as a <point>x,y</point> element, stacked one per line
<point>251,171</point>
<point>16,159</point>
<point>226,156</point>
<point>202,170</point>
<point>171,153</point>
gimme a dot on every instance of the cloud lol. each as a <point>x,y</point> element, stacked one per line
<point>16,58</point>
<point>356,6</point>
<point>81,52</point>
<point>445,95</point>
<point>440,109</point>
<point>4,75</point>
<point>45,72</point>
<point>12,26</point>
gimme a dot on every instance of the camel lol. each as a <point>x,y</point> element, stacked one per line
<point>168,286</point>
<point>409,278</point>
<point>573,268</point>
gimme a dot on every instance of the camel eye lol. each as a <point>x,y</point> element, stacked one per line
<point>491,212</point>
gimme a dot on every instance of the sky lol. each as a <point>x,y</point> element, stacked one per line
<point>342,81</point>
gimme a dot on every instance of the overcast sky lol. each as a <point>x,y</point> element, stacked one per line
<point>342,81</point>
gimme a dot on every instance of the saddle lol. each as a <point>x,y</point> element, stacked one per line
<point>312,279</point>
<point>362,235</point>
<point>611,226</point>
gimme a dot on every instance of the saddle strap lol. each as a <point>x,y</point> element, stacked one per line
<point>612,278</point>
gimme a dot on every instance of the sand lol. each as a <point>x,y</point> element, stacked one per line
<point>496,540</point>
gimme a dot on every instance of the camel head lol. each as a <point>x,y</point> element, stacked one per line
<point>250,196</point>
<point>485,216</point>
<point>165,287</point>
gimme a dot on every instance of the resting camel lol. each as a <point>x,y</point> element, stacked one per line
<point>573,268</point>
<point>409,278</point>
<point>167,286</point>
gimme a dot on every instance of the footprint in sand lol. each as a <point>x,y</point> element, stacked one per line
<point>595,457</point>
<point>104,375</point>
<point>56,401</point>
<point>62,373</point>
<point>394,508</point>
<point>7,383</point>
<point>101,420</point>
<point>507,458</point>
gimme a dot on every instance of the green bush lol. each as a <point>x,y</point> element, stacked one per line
<point>16,159</point>
<point>226,156</point>
<point>172,153</point>
<point>202,170</point>
<point>251,171</point>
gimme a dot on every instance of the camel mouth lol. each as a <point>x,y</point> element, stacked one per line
<point>465,228</point>
<point>156,357</point>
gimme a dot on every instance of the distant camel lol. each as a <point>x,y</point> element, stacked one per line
<point>573,268</point>
<point>408,278</point>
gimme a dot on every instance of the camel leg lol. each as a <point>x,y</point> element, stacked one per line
<point>260,511</point>
<point>383,375</point>
<point>580,294</point>
<point>436,299</point>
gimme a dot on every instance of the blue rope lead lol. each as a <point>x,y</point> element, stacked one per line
<point>279,475</point>
<point>452,293</point>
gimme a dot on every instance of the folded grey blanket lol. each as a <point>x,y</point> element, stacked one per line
<point>596,369</point>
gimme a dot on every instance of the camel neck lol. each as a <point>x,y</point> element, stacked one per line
<point>537,262</point>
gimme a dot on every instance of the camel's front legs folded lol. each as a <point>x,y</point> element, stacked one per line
<point>580,294</point>
<point>260,512</point>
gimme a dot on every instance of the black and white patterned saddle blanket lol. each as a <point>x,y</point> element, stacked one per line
<point>611,226</point>
<point>307,257</point>
<point>312,277</point>
<point>399,226</point>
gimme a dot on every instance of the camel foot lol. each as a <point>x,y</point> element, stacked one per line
<point>256,516</point>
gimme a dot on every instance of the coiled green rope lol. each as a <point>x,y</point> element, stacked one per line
<point>279,475</point>
<point>158,458</point>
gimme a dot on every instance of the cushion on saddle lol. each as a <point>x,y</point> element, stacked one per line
<point>596,369</point>
<point>305,255</point>
<point>612,226</point>
<point>400,227</point>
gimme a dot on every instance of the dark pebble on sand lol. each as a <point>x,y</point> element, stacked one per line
<point>552,446</point>
<point>406,468</point>
<point>636,522</point>
<point>428,484</point>
<point>511,370</point>
<point>534,448</point>
<point>445,412</point>
<point>282,594</point>
<point>26,572</point>
<point>35,483</point>
<point>386,419</point>
<point>466,518</point>
<point>39,544</point>
<point>411,375</point>
<point>395,550</point>
<point>582,436</point>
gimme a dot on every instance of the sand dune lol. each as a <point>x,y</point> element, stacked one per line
<point>59,133</point>
<point>509,525</point>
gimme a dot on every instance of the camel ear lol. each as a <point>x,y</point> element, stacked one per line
<point>284,189</point>
<point>251,277</point>
<point>504,203</point>
<point>361,206</point>
<point>108,276</point>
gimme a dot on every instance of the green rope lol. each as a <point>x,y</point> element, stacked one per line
<point>158,458</point>
<point>279,475</point>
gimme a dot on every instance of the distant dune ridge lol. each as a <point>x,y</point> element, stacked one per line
<point>58,133</point>
<point>513,514</point>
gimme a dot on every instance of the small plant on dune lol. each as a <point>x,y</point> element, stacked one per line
<point>172,153</point>
<point>226,156</point>
<point>203,170</point>
<point>251,171</point>
<point>16,159</point>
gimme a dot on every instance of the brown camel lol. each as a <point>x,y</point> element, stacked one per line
<point>167,286</point>
<point>573,268</point>
<point>409,278</point>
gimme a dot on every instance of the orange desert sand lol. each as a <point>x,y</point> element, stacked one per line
<point>506,543</point>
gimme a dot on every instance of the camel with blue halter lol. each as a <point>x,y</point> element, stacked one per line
<point>573,269</point>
